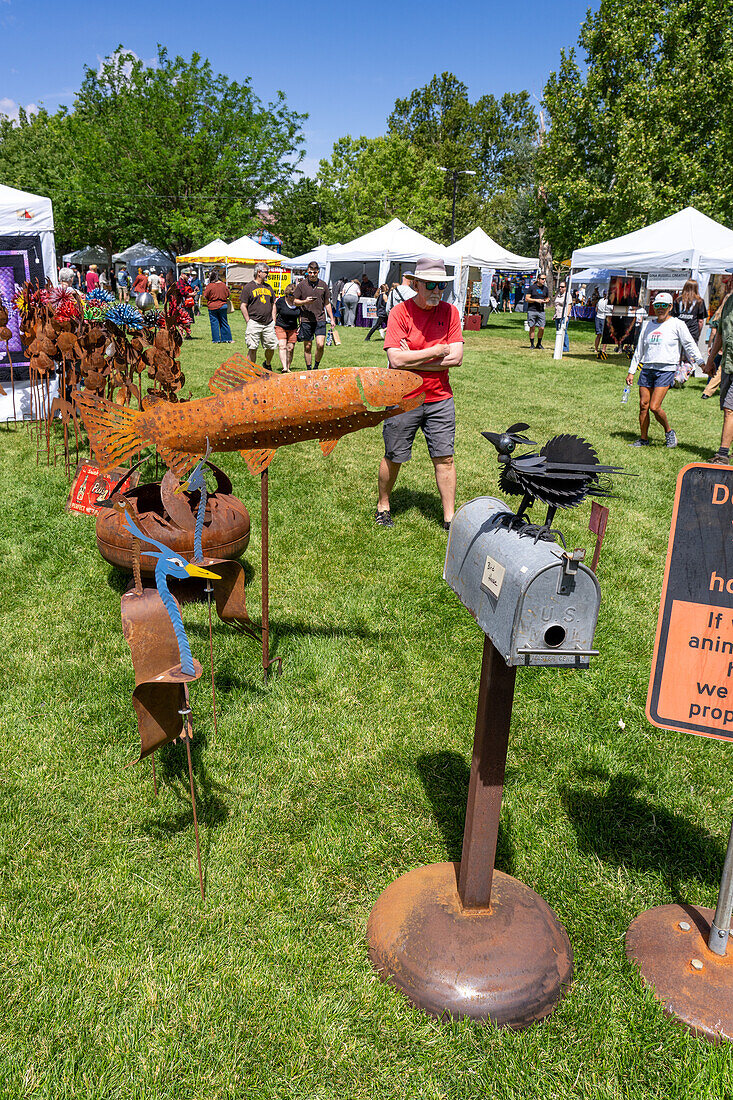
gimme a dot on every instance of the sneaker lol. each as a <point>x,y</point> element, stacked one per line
<point>531,343</point>
<point>446,524</point>
<point>720,460</point>
<point>540,346</point>
<point>670,438</point>
<point>383,519</point>
<point>705,396</point>
<point>640,443</point>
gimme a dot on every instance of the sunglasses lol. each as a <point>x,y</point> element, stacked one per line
<point>428,286</point>
<point>662,305</point>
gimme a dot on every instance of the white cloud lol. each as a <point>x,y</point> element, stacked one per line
<point>10,108</point>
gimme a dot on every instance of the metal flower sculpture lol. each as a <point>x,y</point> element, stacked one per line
<point>125,316</point>
<point>100,296</point>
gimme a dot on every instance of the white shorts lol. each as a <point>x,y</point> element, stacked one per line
<point>256,332</point>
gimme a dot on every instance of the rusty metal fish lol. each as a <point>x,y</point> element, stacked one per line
<point>252,411</point>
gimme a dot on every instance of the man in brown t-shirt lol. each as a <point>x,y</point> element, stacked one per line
<point>314,299</point>
<point>258,310</point>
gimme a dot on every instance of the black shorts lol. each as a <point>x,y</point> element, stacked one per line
<point>309,329</point>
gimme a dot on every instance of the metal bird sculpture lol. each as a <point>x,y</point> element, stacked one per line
<point>169,564</point>
<point>561,475</point>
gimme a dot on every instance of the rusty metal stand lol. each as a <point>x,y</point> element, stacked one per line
<point>267,661</point>
<point>187,735</point>
<point>681,953</point>
<point>464,939</point>
<point>208,590</point>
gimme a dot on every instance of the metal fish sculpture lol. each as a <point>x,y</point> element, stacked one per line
<point>252,411</point>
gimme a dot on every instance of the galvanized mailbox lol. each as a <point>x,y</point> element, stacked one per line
<point>536,602</point>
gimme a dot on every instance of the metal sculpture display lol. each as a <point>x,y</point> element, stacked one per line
<point>253,411</point>
<point>564,472</point>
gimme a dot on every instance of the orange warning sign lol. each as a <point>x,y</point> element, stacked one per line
<point>691,685</point>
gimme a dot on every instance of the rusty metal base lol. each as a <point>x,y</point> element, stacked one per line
<point>510,963</point>
<point>699,998</point>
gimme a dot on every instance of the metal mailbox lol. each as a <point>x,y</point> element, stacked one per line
<point>536,602</point>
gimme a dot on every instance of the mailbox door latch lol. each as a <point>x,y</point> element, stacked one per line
<point>571,559</point>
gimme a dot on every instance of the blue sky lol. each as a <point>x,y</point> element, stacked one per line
<point>344,67</point>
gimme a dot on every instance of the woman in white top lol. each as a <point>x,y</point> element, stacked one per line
<point>350,299</point>
<point>661,342</point>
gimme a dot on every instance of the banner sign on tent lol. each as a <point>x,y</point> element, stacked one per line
<point>691,685</point>
<point>664,281</point>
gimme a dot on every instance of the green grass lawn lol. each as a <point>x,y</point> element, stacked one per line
<point>323,786</point>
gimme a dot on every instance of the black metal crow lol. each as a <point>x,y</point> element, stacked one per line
<point>561,475</point>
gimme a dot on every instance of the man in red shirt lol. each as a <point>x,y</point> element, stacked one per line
<point>424,336</point>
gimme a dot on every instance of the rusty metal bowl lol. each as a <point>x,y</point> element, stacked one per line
<point>170,518</point>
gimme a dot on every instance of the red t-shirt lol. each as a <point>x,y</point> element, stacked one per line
<point>422,328</point>
<point>92,280</point>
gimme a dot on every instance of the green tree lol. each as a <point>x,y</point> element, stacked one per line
<point>172,153</point>
<point>369,181</point>
<point>295,210</point>
<point>645,126</point>
<point>490,137</point>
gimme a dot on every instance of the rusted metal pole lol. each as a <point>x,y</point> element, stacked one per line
<point>155,778</point>
<point>265,556</point>
<point>493,718</point>
<point>187,734</point>
<point>208,590</point>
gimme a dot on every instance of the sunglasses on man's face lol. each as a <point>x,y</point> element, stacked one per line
<point>428,286</point>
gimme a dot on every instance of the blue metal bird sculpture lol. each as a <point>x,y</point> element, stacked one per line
<point>170,564</point>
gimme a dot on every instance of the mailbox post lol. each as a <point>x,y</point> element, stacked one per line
<point>462,939</point>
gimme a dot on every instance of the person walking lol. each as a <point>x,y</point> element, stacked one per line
<point>722,347</point>
<point>336,300</point>
<point>216,295</point>
<point>381,321</point>
<point>92,279</point>
<point>140,285</point>
<point>506,297</point>
<point>313,299</point>
<point>154,286</point>
<point>661,342</point>
<point>350,299</point>
<point>536,298</point>
<point>603,310</point>
<point>258,310</point>
<point>423,336</point>
<point>123,284</point>
<point>286,326</point>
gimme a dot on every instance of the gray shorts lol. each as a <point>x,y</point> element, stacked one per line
<point>726,390</point>
<point>438,422</point>
<point>536,318</point>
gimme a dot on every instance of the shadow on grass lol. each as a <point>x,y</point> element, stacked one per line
<point>658,442</point>
<point>212,811</point>
<point>445,776</point>
<point>625,829</point>
<point>403,500</point>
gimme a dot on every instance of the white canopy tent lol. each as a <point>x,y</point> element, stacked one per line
<point>477,249</point>
<point>27,251</point>
<point>215,252</point>
<point>687,242</point>
<point>238,258</point>
<point>320,254</point>
<point>392,244</point>
<point>144,255</point>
